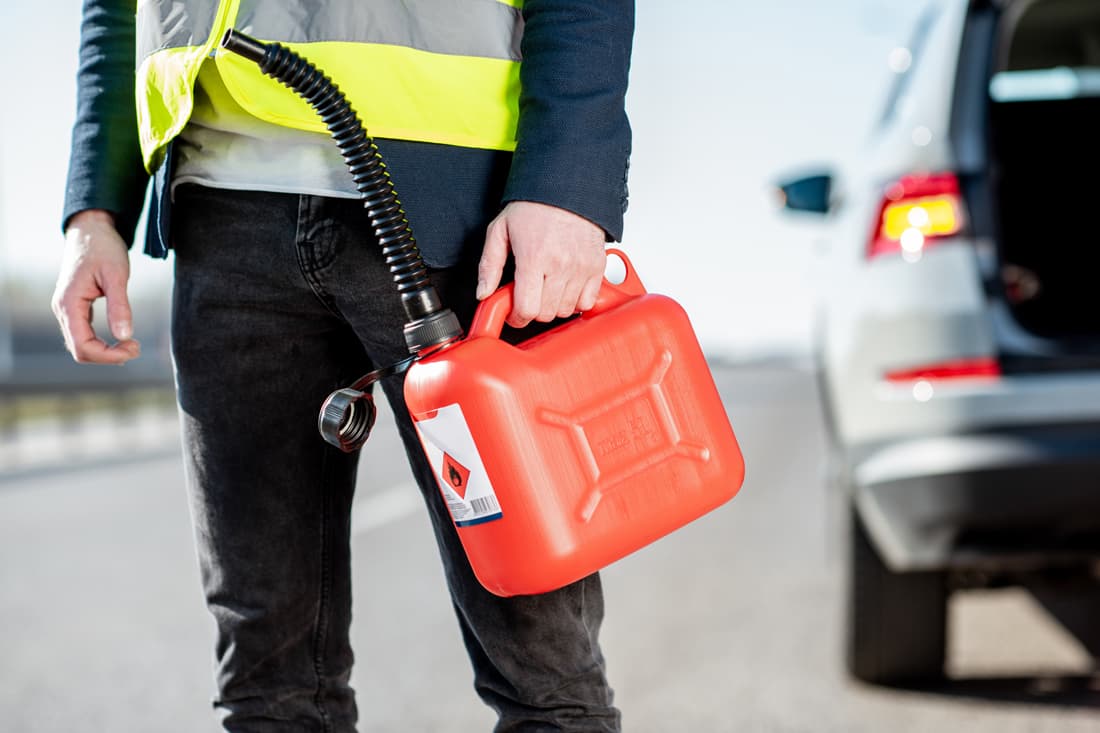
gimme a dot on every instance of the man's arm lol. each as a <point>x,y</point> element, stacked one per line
<point>105,168</point>
<point>566,192</point>
<point>105,188</point>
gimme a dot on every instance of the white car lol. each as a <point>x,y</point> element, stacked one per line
<point>958,329</point>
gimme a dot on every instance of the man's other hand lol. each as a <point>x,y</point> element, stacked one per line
<point>559,257</point>
<point>96,265</point>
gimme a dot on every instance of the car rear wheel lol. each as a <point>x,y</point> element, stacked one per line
<point>896,622</point>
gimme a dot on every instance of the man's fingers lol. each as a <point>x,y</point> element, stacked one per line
<point>493,256</point>
<point>589,292</point>
<point>87,348</point>
<point>555,299</point>
<point>75,317</point>
<point>526,298</point>
<point>569,300</point>
<point>119,317</point>
<point>96,351</point>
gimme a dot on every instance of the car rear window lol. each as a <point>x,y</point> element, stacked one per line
<point>1048,50</point>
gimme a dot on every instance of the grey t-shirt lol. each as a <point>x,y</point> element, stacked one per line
<point>223,146</point>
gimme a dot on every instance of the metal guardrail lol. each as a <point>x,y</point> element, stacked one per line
<point>57,413</point>
<point>33,360</point>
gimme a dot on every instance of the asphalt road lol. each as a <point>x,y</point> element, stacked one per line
<point>730,624</point>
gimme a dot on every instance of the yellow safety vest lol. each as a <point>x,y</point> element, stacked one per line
<point>441,71</point>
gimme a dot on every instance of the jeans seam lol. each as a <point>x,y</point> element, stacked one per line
<point>592,648</point>
<point>305,265</point>
<point>321,634</point>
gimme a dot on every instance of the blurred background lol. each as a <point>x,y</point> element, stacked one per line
<point>732,624</point>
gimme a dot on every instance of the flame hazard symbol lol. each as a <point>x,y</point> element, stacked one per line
<point>455,475</point>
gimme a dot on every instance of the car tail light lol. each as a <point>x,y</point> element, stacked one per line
<point>981,367</point>
<point>916,212</point>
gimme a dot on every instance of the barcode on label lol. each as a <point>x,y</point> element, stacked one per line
<point>485,505</point>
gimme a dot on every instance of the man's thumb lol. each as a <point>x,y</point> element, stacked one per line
<point>119,317</point>
<point>493,257</point>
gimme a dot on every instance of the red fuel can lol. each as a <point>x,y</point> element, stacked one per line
<point>564,453</point>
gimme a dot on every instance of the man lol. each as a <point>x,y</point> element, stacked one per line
<point>281,294</point>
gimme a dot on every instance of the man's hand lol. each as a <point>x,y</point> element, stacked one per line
<point>96,264</point>
<point>560,261</point>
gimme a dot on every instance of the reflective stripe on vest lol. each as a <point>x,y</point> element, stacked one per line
<point>443,71</point>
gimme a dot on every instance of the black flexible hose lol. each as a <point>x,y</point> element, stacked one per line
<point>428,322</point>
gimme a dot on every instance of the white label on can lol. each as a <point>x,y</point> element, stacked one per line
<point>457,466</point>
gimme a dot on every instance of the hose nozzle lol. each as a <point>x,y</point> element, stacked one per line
<point>243,45</point>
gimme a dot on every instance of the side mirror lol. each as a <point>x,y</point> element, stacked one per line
<point>810,193</point>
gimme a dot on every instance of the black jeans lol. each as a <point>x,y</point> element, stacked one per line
<point>280,299</point>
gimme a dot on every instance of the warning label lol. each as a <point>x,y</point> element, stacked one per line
<point>457,465</point>
<point>454,473</point>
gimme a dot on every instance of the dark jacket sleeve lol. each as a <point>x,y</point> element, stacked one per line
<point>105,168</point>
<point>573,141</point>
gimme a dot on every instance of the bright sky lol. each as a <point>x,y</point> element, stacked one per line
<point>725,95</point>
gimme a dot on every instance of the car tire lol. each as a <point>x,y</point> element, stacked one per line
<point>896,622</point>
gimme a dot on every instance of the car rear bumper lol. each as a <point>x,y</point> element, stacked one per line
<point>1013,497</point>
